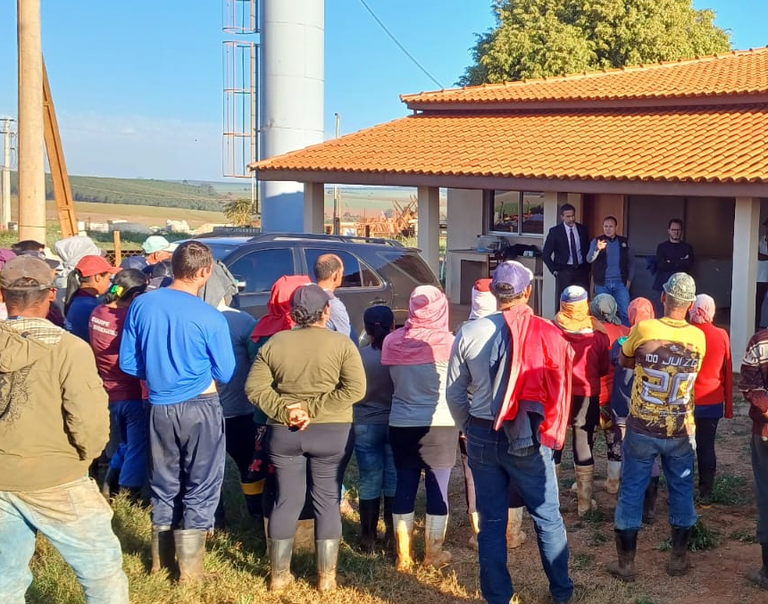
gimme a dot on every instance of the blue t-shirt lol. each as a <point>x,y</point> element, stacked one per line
<point>178,344</point>
<point>79,314</point>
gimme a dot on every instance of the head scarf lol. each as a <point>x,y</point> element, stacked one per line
<point>604,308</point>
<point>640,309</point>
<point>5,256</point>
<point>574,312</point>
<point>483,301</point>
<point>425,338</point>
<point>703,310</point>
<point>278,317</point>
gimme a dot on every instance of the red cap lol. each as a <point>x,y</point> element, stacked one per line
<point>95,265</point>
<point>483,285</point>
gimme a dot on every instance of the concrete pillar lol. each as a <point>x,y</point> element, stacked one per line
<point>292,89</point>
<point>429,226</point>
<point>746,232</point>
<point>552,203</point>
<point>31,133</point>
<point>314,207</point>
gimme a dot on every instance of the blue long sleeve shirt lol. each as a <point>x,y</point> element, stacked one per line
<point>178,344</point>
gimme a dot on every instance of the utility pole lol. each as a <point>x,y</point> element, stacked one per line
<point>336,204</point>
<point>31,131</point>
<point>5,207</point>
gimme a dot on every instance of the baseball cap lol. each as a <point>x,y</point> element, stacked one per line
<point>483,285</point>
<point>681,286</point>
<point>26,267</point>
<point>157,243</point>
<point>95,265</point>
<point>512,274</point>
<point>311,297</point>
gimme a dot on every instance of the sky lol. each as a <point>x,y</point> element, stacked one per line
<point>138,85</point>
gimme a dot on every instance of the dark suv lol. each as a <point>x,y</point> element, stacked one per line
<point>376,271</point>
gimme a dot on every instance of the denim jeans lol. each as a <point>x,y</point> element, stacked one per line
<point>374,460</point>
<point>620,293</point>
<point>494,468</point>
<point>759,449</point>
<point>132,419</point>
<point>77,521</point>
<point>639,453</point>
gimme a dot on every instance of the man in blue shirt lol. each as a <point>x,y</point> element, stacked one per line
<point>181,346</point>
<point>613,266</point>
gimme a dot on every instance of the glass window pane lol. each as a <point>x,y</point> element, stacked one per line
<point>351,265</point>
<point>533,214</point>
<point>261,269</point>
<point>506,211</point>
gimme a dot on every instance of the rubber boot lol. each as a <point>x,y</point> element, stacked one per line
<point>111,485</point>
<point>327,559</point>
<point>706,484</point>
<point>585,478</point>
<point>390,543</point>
<point>190,551</point>
<point>163,549</point>
<point>649,502</point>
<point>557,472</point>
<point>760,576</point>
<point>369,520</point>
<point>404,537</point>
<point>626,547</point>
<point>515,535</point>
<point>474,520</point>
<point>280,552</point>
<point>613,481</point>
<point>678,559</point>
<point>305,536</point>
<point>434,536</point>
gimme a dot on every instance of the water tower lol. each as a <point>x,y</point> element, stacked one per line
<point>273,95</point>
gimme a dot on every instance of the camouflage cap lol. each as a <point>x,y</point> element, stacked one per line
<point>681,286</point>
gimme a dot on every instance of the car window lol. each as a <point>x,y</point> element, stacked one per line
<point>411,265</point>
<point>260,269</point>
<point>356,272</point>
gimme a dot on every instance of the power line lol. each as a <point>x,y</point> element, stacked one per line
<point>400,46</point>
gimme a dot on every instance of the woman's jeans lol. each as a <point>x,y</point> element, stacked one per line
<point>494,468</point>
<point>313,459</point>
<point>131,418</point>
<point>374,461</point>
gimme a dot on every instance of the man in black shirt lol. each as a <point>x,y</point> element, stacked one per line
<point>672,256</point>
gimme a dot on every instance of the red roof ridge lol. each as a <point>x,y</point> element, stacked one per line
<point>597,73</point>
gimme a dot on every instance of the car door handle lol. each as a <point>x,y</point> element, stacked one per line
<point>377,301</point>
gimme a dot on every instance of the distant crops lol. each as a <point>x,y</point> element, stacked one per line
<point>132,191</point>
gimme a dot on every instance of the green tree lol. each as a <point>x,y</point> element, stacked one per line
<point>538,38</point>
<point>239,211</point>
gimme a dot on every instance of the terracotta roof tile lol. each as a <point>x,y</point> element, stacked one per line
<point>736,73</point>
<point>682,144</point>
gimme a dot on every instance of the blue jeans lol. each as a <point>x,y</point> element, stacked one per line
<point>375,462</point>
<point>620,293</point>
<point>638,455</point>
<point>77,521</point>
<point>759,449</point>
<point>131,418</point>
<point>494,468</point>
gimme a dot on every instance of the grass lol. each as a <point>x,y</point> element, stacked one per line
<point>730,490</point>
<point>702,538</point>
<point>744,536</point>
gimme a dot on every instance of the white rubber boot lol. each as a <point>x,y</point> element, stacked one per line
<point>404,538</point>
<point>434,535</point>
<point>613,481</point>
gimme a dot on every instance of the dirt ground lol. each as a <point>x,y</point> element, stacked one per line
<point>717,575</point>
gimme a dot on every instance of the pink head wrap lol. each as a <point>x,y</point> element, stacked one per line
<point>703,309</point>
<point>640,309</point>
<point>425,338</point>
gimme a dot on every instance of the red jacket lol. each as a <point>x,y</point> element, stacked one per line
<point>606,382</point>
<point>714,384</point>
<point>541,367</point>
<point>590,362</point>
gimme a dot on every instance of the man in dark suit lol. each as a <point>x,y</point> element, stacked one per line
<point>565,251</point>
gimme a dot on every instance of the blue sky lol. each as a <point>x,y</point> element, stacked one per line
<point>138,85</point>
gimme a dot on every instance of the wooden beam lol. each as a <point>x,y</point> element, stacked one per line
<point>62,190</point>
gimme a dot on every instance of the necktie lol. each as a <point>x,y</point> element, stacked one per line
<point>574,253</point>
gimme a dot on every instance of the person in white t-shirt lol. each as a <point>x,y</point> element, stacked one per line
<point>761,315</point>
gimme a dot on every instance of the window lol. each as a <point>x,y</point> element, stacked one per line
<point>356,272</point>
<point>515,212</point>
<point>413,266</point>
<point>259,270</point>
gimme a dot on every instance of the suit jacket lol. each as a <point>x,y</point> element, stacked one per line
<point>557,248</point>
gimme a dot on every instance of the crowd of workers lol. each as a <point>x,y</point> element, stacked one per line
<point>155,352</point>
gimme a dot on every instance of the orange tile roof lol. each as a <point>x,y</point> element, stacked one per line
<point>681,144</point>
<point>736,73</point>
